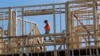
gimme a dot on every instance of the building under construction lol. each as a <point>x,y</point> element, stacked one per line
<point>78,33</point>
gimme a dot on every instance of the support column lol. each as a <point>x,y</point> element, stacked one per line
<point>9,29</point>
<point>22,30</point>
<point>67,21</point>
<point>13,23</point>
<point>54,21</point>
<point>10,23</point>
<point>22,33</point>
<point>96,23</point>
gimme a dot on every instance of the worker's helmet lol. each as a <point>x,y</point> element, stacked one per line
<point>45,21</point>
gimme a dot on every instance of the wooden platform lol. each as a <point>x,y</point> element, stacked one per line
<point>75,52</point>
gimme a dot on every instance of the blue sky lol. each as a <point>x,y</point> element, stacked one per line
<point>10,3</point>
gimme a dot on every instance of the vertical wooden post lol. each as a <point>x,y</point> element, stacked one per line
<point>96,23</point>
<point>10,22</point>
<point>13,23</point>
<point>67,21</point>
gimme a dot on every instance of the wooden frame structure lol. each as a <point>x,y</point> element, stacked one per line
<point>82,28</point>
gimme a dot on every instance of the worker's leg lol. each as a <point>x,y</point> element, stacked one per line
<point>45,36</point>
<point>48,36</point>
<point>47,32</point>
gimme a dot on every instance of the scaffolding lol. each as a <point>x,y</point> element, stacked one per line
<point>78,33</point>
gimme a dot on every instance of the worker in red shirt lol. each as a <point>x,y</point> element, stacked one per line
<point>47,28</point>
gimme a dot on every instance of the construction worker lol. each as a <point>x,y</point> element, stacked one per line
<point>47,28</point>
